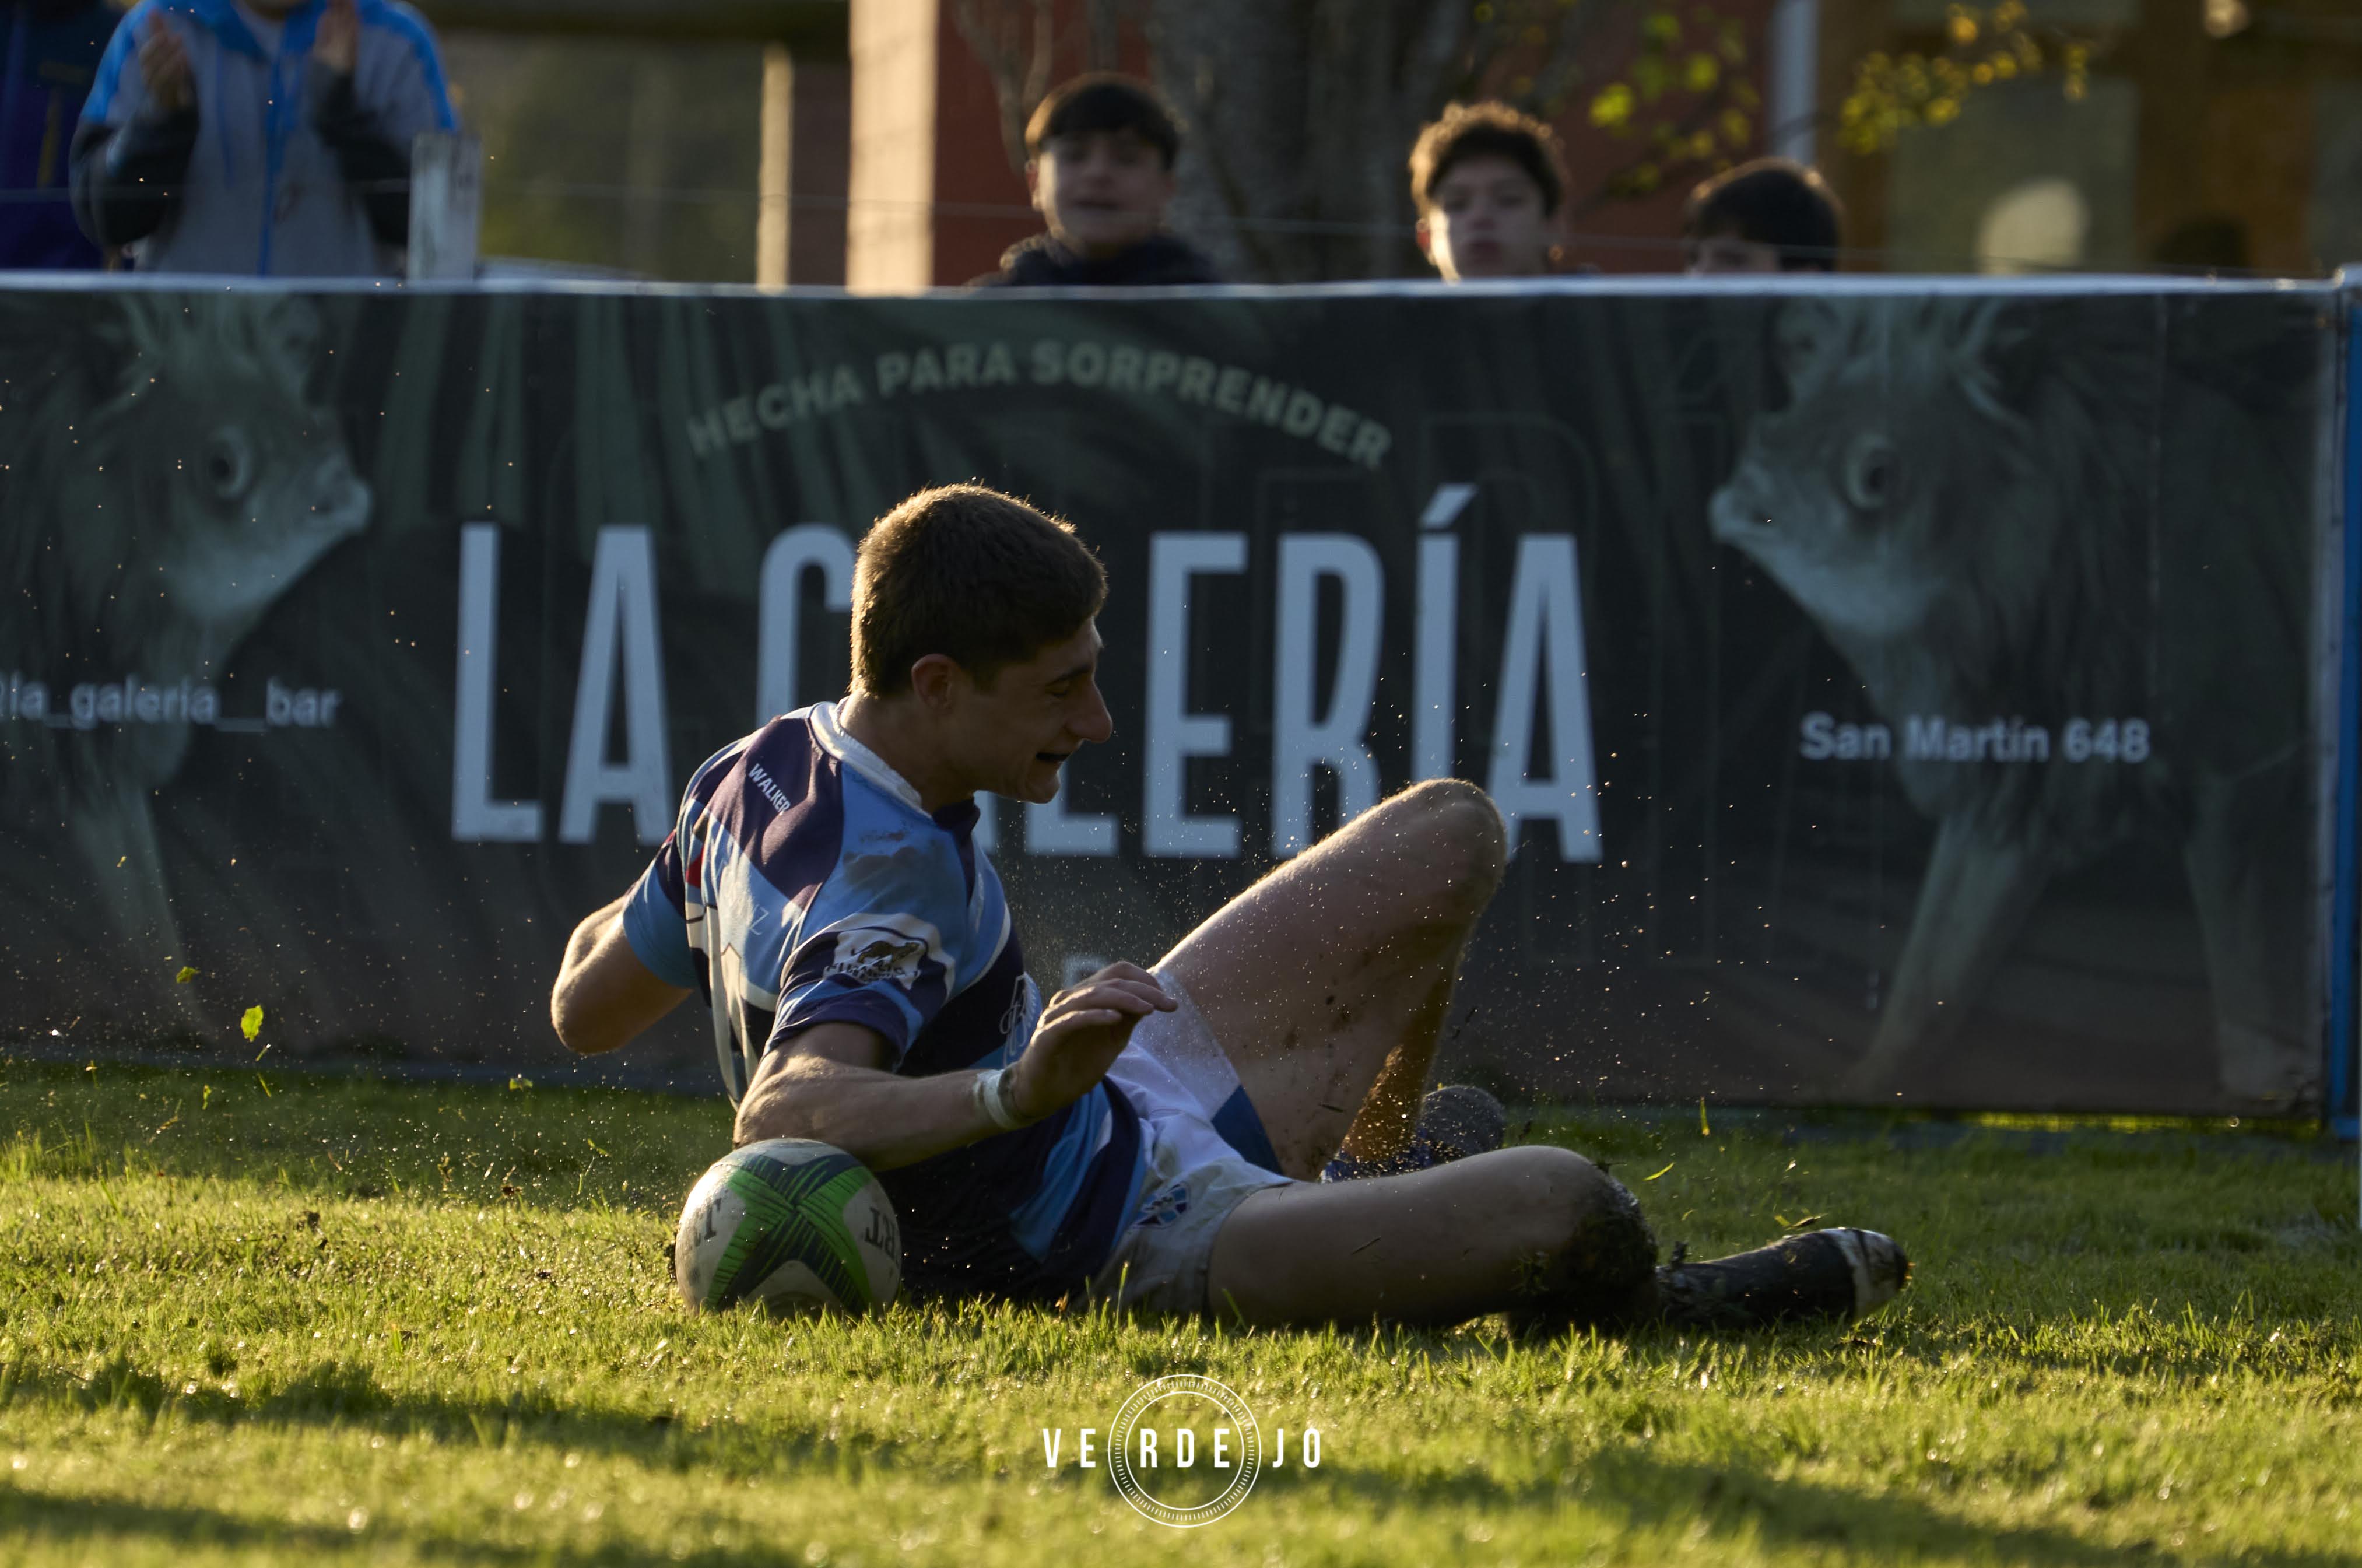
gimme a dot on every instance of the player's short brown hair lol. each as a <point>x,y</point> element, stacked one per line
<point>1104,101</point>
<point>972,574</point>
<point>1489,130</point>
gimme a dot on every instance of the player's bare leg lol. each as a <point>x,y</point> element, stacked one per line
<point>1541,1233</point>
<point>1327,982</point>
<point>1537,1230</point>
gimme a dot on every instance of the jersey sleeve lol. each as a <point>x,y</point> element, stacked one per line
<point>656,919</point>
<point>877,946</point>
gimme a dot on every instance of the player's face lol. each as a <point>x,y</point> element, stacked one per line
<point>1100,193</point>
<point>1718,254</point>
<point>1485,220</point>
<point>1018,735</point>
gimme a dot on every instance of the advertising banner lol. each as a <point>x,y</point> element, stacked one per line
<point>1908,695</point>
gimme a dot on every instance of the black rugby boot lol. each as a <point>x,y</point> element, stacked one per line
<point>1836,1273</point>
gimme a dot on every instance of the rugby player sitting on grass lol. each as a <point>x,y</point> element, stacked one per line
<point>1159,1137</point>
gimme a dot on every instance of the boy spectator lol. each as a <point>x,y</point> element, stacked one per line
<point>1098,166</point>
<point>1490,186</point>
<point>52,55</point>
<point>263,137</point>
<point>1771,215</point>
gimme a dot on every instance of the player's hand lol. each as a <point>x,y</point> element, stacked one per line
<point>1082,1031</point>
<point>338,44</point>
<point>164,67</point>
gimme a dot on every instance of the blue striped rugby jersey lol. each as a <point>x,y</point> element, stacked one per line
<point>803,882</point>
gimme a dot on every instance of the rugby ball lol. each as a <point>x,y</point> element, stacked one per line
<point>795,1225</point>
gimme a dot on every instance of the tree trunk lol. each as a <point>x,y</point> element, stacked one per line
<point>1299,115</point>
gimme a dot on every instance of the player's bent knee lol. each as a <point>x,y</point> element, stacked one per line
<point>1584,1253</point>
<point>1450,830</point>
<point>1547,1193</point>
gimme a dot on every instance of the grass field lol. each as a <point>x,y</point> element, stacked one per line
<point>294,1319</point>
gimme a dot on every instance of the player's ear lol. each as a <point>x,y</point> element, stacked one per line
<point>1033,184</point>
<point>937,682</point>
<point>1426,239</point>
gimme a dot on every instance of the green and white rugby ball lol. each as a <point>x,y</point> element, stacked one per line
<point>798,1226</point>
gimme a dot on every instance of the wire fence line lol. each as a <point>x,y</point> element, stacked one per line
<point>1876,257</point>
<point>608,191</point>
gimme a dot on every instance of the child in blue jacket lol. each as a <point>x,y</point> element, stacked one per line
<point>267,137</point>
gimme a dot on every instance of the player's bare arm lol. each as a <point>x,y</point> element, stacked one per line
<point>831,1083</point>
<point>605,998</point>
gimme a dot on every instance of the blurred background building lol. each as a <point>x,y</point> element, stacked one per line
<point>875,143</point>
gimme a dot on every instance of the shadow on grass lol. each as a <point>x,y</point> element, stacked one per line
<point>1881,1527</point>
<point>1628,1488</point>
<point>1639,1492</point>
<point>106,1530</point>
<point>341,1394</point>
<point>1629,1485</point>
<point>100,1525</point>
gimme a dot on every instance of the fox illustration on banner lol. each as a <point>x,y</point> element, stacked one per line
<point>1959,495</point>
<point>166,479</point>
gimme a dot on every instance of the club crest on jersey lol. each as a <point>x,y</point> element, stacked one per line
<point>884,947</point>
<point>1165,1207</point>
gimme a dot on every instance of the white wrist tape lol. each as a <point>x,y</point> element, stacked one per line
<point>996,1097</point>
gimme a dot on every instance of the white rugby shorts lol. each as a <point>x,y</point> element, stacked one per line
<point>1178,1076</point>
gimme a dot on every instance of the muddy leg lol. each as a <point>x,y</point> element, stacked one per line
<point>1538,1232</point>
<point>1326,983</point>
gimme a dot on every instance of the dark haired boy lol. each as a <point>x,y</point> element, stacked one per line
<point>1490,187</point>
<point>1771,215</point>
<point>1098,166</point>
<point>1146,1136</point>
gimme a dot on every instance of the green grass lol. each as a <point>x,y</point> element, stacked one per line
<point>432,1323</point>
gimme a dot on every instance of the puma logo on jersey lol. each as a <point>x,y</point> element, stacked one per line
<point>892,947</point>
